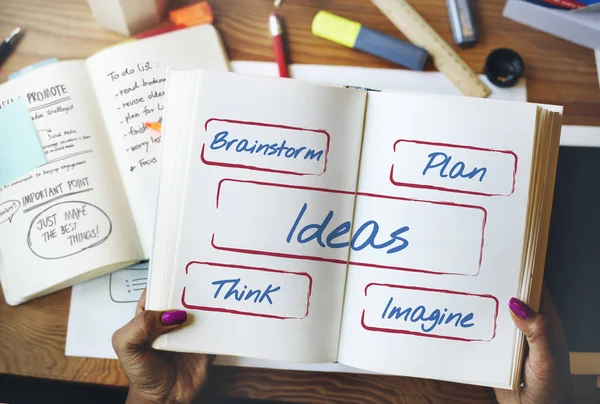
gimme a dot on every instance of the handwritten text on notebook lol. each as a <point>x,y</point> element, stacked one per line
<point>389,232</point>
<point>265,147</point>
<point>248,291</point>
<point>454,168</point>
<point>398,309</point>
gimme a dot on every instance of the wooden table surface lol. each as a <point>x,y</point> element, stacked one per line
<point>32,336</point>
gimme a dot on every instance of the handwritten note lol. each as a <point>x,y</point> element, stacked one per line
<point>247,291</point>
<point>387,232</point>
<point>129,81</point>
<point>424,312</point>
<point>66,216</point>
<point>265,147</point>
<point>454,168</point>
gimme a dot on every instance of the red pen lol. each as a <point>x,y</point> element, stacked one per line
<point>277,34</point>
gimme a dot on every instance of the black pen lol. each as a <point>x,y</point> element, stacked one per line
<point>9,43</point>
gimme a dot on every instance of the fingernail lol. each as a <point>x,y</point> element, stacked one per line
<point>522,310</point>
<point>173,317</point>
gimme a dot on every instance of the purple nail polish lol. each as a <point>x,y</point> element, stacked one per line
<point>522,310</point>
<point>173,317</point>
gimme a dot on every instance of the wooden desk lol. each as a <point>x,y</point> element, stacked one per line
<point>32,336</point>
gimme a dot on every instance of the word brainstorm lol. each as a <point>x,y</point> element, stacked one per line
<point>221,141</point>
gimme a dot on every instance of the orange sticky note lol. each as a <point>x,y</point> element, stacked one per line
<point>156,126</point>
<point>196,14</point>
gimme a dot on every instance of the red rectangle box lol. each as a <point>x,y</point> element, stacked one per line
<point>245,205</point>
<point>230,288</point>
<point>462,316</point>
<point>265,147</point>
<point>454,168</point>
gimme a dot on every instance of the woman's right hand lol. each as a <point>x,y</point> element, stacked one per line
<point>546,375</point>
<point>158,376</point>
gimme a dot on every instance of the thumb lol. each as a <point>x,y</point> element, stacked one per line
<point>534,326</point>
<point>540,366</point>
<point>145,327</point>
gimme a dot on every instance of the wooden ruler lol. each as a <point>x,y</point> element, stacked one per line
<point>419,32</point>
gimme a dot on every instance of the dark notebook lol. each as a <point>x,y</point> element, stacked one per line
<point>573,258</point>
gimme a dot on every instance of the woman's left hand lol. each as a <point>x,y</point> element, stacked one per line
<point>158,376</point>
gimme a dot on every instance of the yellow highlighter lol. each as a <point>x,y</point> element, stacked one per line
<point>353,35</point>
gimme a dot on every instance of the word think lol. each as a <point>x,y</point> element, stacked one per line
<point>245,294</point>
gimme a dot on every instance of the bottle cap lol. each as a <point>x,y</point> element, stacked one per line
<point>504,67</point>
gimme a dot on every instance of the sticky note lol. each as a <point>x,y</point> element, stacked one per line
<point>20,147</point>
<point>196,14</point>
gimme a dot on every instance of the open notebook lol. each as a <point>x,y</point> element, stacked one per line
<point>384,231</point>
<point>90,209</point>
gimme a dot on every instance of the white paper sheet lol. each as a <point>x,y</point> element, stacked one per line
<point>100,307</point>
<point>378,79</point>
<point>129,81</point>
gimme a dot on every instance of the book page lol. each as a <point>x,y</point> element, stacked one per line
<point>438,238</point>
<point>271,163</point>
<point>129,80</point>
<point>69,216</point>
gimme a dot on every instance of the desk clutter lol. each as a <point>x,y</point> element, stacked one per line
<point>336,223</point>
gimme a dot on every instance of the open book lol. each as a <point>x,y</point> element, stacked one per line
<point>90,209</point>
<point>384,231</point>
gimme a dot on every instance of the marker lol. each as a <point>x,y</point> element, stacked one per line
<point>9,43</point>
<point>462,20</point>
<point>155,126</point>
<point>353,35</point>
<point>277,34</point>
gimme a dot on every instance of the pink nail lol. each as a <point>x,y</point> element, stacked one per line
<point>173,317</point>
<point>522,310</point>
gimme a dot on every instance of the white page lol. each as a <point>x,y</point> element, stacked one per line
<point>110,302</point>
<point>72,215</point>
<point>378,79</point>
<point>129,80</point>
<point>239,208</point>
<point>461,249</point>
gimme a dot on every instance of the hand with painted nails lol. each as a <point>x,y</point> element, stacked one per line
<point>158,376</point>
<point>546,375</point>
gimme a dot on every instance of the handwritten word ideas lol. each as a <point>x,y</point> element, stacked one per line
<point>265,147</point>
<point>247,291</point>
<point>365,236</point>
<point>454,168</point>
<point>426,312</point>
<point>388,232</point>
<point>67,228</point>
